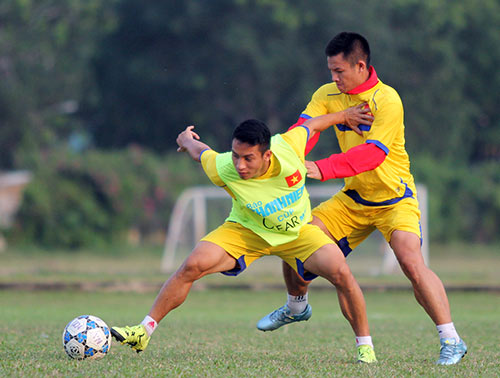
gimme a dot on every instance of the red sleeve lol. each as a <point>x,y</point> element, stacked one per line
<point>362,158</point>
<point>312,141</point>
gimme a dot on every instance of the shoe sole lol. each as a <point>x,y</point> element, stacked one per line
<point>461,358</point>
<point>122,340</point>
<point>274,329</point>
<point>269,330</point>
<point>117,336</point>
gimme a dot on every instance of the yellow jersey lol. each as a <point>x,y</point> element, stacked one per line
<point>391,181</point>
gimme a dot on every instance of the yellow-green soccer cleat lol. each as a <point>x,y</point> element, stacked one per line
<point>135,336</point>
<point>366,354</point>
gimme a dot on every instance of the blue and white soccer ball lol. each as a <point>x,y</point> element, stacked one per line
<point>86,336</point>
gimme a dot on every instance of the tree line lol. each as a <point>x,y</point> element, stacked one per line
<point>93,78</point>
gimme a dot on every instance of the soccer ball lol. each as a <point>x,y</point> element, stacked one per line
<point>86,336</point>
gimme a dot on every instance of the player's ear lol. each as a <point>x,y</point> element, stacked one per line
<point>267,155</point>
<point>362,66</point>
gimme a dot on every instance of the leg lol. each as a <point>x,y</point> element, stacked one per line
<point>205,259</point>
<point>329,262</point>
<point>430,293</point>
<point>313,253</point>
<point>427,287</point>
<point>295,285</point>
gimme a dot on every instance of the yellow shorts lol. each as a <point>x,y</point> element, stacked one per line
<point>350,223</point>
<point>246,246</point>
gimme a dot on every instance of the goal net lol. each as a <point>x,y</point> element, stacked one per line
<point>201,209</point>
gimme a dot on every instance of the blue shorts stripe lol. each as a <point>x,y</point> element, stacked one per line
<point>307,276</point>
<point>240,267</point>
<point>421,233</point>
<point>344,246</point>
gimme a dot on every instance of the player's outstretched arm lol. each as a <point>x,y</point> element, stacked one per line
<point>188,141</point>
<point>359,159</point>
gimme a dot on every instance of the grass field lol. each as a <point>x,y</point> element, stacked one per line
<point>214,334</point>
<point>139,269</point>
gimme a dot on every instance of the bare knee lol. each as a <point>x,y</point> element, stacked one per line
<point>190,270</point>
<point>412,264</point>
<point>413,268</point>
<point>340,275</point>
<point>406,246</point>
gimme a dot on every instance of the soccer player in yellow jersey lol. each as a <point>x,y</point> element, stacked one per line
<point>270,216</point>
<point>379,191</point>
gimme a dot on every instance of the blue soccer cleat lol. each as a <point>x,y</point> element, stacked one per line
<point>281,317</point>
<point>452,351</point>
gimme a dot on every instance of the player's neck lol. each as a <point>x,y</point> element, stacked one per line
<point>366,76</point>
<point>370,80</point>
<point>265,168</point>
<point>363,78</point>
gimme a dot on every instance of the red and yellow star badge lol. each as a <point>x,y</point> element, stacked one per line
<point>293,179</point>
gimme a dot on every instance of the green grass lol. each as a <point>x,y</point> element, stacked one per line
<point>139,269</point>
<point>213,334</point>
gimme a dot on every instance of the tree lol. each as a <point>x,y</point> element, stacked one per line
<point>45,49</point>
<point>212,64</point>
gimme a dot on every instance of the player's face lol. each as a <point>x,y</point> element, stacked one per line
<point>344,74</point>
<point>249,161</point>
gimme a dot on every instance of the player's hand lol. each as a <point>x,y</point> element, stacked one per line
<point>185,137</point>
<point>313,170</point>
<point>358,115</point>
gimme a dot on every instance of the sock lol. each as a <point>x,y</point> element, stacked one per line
<point>364,340</point>
<point>447,331</point>
<point>296,303</point>
<point>150,324</point>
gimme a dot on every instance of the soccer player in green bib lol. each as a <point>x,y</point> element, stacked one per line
<point>270,216</point>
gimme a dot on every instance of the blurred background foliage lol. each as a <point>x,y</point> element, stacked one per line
<point>93,94</point>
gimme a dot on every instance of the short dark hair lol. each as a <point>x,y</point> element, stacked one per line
<point>354,46</point>
<point>253,132</point>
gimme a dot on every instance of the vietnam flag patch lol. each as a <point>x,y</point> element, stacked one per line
<point>293,179</point>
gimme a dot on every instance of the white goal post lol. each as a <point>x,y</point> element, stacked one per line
<point>191,206</point>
